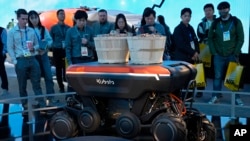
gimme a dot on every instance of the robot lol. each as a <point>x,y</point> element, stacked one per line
<point>128,97</point>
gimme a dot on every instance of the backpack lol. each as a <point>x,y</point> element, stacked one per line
<point>169,48</point>
<point>217,20</point>
<point>171,44</point>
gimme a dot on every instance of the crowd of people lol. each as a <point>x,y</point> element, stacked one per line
<point>27,44</point>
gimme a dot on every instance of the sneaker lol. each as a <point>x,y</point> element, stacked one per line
<point>53,101</point>
<point>213,100</point>
<point>239,102</point>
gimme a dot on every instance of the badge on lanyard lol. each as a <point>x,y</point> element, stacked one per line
<point>63,44</point>
<point>28,44</point>
<point>84,51</point>
<point>27,48</point>
<point>226,36</point>
<point>192,45</point>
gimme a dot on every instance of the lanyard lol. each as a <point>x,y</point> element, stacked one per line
<point>230,26</point>
<point>81,34</point>
<point>26,36</point>
<point>62,30</point>
<point>37,34</point>
<point>190,37</point>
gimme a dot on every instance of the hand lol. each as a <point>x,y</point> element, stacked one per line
<point>41,52</point>
<point>117,31</point>
<point>152,28</point>
<point>195,57</point>
<point>32,49</point>
<point>206,32</point>
<point>84,41</point>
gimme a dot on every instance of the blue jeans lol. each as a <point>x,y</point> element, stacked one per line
<point>220,68</point>
<point>28,68</point>
<point>47,74</point>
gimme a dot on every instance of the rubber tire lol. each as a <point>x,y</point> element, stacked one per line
<point>207,126</point>
<point>209,130</point>
<point>90,115</point>
<point>175,124</point>
<point>131,120</point>
<point>63,126</point>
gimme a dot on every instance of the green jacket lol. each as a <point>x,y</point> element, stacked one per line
<point>215,37</point>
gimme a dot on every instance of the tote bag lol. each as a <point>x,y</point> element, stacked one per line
<point>233,76</point>
<point>205,55</point>
<point>200,76</point>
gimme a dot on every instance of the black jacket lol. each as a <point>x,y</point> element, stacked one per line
<point>182,36</point>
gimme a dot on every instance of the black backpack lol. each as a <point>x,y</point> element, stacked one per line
<point>171,44</point>
<point>217,20</point>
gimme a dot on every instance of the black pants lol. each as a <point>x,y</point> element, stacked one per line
<point>76,60</point>
<point>59,61</point>
<point>3,74</point>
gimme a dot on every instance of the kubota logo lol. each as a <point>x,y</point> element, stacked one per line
<point>105,82</point>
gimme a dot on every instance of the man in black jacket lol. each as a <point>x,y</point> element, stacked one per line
<point>58,34</point>
<point>185,39</point>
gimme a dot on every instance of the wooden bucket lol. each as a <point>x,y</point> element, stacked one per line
<point>146,49</point>
<point>112,49</point>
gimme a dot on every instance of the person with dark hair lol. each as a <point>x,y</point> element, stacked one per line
<point>143,22</point>
<point>22,45</point>
<point>103,26</point>
<point>121,25</point>
<point>3,51</point>
<point>58,33</point>
<point>45,41</point>
<point>161,20</point>
<point>203,27</point>
<point>202,33</point>
<point>150,26</point>
<point>79,40</point>
<point>185,39</point>
<point>225,39</point>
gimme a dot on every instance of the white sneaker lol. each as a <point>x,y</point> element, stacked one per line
<point>213,100</point>
<point>239,102</point>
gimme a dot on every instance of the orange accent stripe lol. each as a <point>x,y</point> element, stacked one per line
<point>120,69</point>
